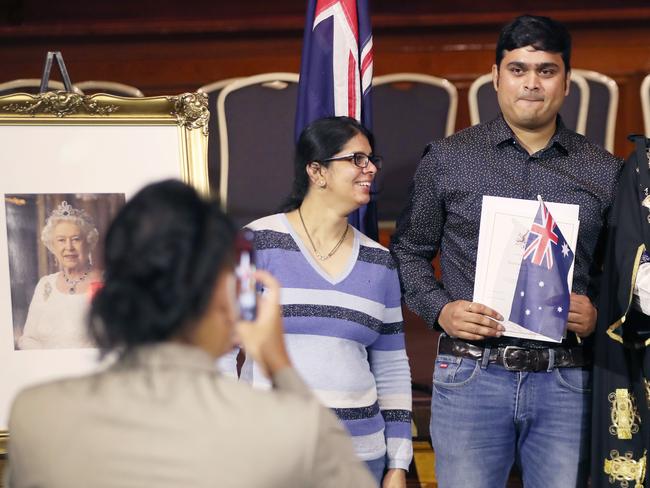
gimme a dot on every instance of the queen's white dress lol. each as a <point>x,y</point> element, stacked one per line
<point>56,320</point>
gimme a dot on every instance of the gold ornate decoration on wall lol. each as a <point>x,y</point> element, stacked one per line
<point>623,469</point>
<point>624,414</point>
<point>191,110</point>
<point>646,387</point>
<point>60,104</point>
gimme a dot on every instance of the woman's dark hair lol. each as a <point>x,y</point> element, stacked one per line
<point>543,33</point>
<point>320,140</point>
<point>163,253</point>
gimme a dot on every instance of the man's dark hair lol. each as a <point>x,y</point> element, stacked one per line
<point>543,33</point>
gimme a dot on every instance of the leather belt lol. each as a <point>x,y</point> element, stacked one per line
<point>516,358</point>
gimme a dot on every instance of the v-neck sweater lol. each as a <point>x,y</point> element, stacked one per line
<point>345,336</point>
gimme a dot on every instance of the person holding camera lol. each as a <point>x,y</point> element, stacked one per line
<point>161,415</point>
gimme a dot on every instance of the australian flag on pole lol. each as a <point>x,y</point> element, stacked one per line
<point>336,74</point>
<point>541,301</point>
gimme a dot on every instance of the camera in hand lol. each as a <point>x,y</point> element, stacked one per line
<point>245,269</point>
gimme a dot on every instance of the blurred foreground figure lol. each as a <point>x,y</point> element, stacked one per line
<point>160,416</point>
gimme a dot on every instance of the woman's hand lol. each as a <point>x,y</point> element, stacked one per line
<point>263,338</point>
<point>394,478</point>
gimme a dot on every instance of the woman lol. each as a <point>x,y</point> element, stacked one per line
<point>341,296</point>
<point>57,312</point>
<point>161,416</point>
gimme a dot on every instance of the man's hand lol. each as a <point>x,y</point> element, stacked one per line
<point>263,339</point>
<point>394,478</point>
<point>582,315</point>
<point>470,321</point>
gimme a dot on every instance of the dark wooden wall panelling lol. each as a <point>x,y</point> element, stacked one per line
<point>169,47</point>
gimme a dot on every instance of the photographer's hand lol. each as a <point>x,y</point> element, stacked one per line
<point>263,339</point>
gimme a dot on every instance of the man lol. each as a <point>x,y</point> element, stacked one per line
<point>492,403</point>
<point>621,434</point>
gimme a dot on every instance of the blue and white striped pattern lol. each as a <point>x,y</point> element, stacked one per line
<point>345,337</point>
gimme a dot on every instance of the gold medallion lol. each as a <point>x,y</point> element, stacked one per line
<point>624,415</point>
<point>623,469</point>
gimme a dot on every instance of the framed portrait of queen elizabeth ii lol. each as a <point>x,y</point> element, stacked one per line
<point>68,163</point>
<point>55,264</point>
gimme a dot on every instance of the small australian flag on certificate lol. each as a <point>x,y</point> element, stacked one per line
<point>541,300</point>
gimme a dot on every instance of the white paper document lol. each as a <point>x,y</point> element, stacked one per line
<point>505,223</point>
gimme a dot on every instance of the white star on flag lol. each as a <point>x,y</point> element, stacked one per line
<point>565,249</point>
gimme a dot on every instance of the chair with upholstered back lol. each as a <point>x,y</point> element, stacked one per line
<point>256,117</point>
<point>645,104</point>
<point>603,106</point>
<point>483,105</point>
<point>409,111</point>
<point>32,86</point>
<point>109,87</point>
<point>482,99</point>
<point>212,90</point>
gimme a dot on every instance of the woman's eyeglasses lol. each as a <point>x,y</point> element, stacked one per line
<point>359,159</point>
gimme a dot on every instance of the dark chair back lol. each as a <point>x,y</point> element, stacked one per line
<point>212,90</point>
<point>256,117</point>
<point>110,87</point>
<point>32,86</point>
<point>603,107</point>
<point>409,111</point>
<point>645,104</point>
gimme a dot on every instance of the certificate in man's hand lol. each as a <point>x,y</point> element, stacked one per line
<point>524,264</point>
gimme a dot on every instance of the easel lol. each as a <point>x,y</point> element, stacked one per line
<point>45,79</point>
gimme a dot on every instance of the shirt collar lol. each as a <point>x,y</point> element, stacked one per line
<point>501,134</point>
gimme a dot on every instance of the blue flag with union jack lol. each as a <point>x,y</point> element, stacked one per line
<point>541,300</point>
<point>336,74</point>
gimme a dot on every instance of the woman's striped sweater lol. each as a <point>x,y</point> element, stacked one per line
<point>345,337</point>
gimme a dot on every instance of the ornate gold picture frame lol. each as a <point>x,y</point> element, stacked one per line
<point>66,143</point>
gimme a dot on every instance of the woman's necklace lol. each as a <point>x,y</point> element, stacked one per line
<point>72,284</point>
<point>334,249</point>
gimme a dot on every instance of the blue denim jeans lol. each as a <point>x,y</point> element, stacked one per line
<point>484,418</point>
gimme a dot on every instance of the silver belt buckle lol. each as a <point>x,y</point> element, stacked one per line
<point>505,356</point>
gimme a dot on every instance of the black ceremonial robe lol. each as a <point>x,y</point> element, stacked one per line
<point>621,381</point>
